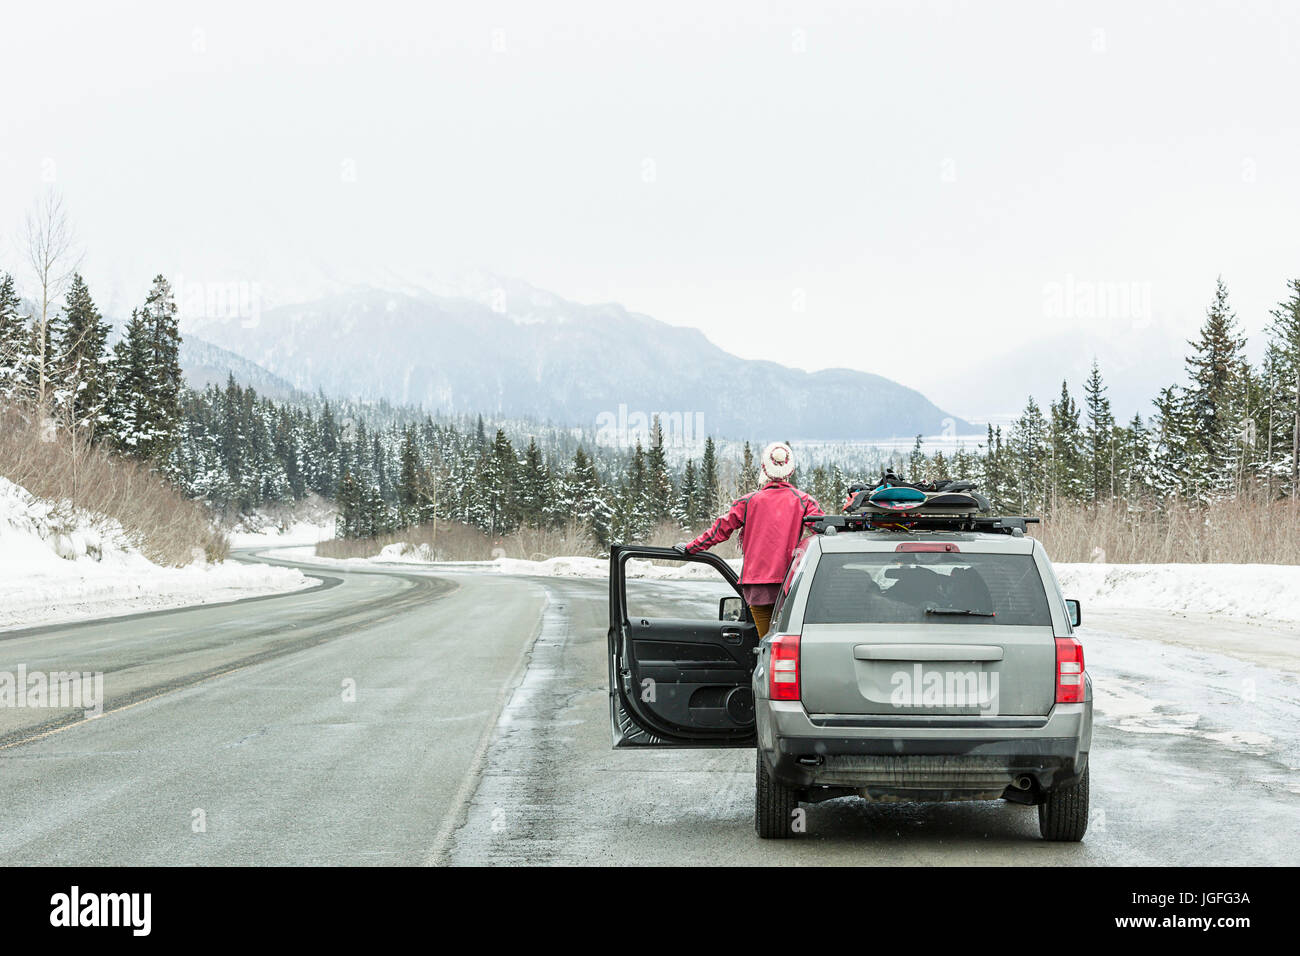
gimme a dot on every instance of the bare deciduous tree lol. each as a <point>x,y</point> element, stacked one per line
<point>52,256</point>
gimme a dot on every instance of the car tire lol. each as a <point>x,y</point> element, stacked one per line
<point>1063,816</point>
<point>774,803</point>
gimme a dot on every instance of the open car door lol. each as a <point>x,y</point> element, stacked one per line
<point>682,679</point>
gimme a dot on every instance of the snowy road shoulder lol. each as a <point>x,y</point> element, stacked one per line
<point>41,597</point>
<point>55,569</point>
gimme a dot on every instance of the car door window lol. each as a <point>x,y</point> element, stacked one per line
<point>674,590</point>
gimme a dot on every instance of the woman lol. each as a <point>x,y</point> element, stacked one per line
<point>770,522</point>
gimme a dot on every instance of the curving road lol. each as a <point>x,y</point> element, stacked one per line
<point>400,716</point>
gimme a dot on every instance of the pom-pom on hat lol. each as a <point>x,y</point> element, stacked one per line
<point>777,462</point>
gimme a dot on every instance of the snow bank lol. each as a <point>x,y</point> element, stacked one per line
<point>307,522</point>
<point>274,536</point>
<point>1266,591</point>
<point>56,565</point>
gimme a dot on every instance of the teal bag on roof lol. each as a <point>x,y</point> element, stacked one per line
<point>897,496</point>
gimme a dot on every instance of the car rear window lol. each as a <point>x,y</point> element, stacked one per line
<point>926,588</point>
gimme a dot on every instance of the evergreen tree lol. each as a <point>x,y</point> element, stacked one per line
<point>992,478</point>
<point>819,483</point>
<point>1068,479</point>
<point>748,471</point>
<point>1284,390</point>
<point>659,485</point>
<point>582,497</point>
<point>1175,452</point>
<point>534,487</point>
<point>709,491</point>
<point>916,461</point>
<point>964,463</point>
<point>637,506</point>
<point>81,359</point>
<point>1029,460</point>
<point>1133,455</point>
<point>410,494</point>
<point>326,473</point>
<point>1098,446</point>
<point>13,340</point>
<point>687,511</point>
<point>1216,395</point>
<point>144,415</point>
<point>837,491</point>
<point>165,381</point>
<point>133,415</point>
<point>349,522</point>
<point>497,486</point>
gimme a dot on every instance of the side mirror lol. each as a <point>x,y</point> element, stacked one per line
<point>1075,611</point>
<point>731,609</point>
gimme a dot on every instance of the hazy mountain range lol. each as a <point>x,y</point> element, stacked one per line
<point>206,364</point>
<point>505,348</point>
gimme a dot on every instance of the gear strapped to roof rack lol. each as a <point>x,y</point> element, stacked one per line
<point>919,521</point>
<point>895,504</point>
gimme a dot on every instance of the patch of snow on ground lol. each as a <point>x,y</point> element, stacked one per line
<point>1128,707</point>
<point>58,566</point>
<point>1266,591</point>
<point>274,536</point>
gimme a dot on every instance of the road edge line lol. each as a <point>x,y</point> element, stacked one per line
<point>458,815</point>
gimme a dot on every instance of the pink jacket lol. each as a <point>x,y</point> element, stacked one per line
<point>770,522</point>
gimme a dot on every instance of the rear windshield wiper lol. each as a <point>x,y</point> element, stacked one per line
<point>968,612</point>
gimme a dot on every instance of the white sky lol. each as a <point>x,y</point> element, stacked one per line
<point>901,169</point>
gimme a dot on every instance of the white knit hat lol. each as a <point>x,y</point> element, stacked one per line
<point>777,462</point>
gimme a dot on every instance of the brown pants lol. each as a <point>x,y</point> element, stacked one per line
<point>762,615</point>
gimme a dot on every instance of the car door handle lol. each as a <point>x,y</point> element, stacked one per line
<point>731,635</point>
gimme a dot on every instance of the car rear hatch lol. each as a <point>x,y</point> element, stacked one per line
<point>928,629</point>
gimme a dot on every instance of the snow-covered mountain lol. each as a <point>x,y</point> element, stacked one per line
<point>205,364</point>
<point>505,348</point>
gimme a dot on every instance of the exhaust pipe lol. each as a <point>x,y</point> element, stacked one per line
<point>1023,782</point>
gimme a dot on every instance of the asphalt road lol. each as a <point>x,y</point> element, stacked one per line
<point>402,716</point>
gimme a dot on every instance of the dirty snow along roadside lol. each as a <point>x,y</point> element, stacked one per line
<point>56,567</point>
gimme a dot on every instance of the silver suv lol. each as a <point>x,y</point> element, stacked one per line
<point>900,666</point>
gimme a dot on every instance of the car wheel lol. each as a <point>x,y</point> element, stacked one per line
<point>774,803</point>
<point>1063,816</point>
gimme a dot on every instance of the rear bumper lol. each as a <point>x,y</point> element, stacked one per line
<point>926,758</point>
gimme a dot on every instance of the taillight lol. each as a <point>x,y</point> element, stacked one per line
<point>783,669</point>
<point>1069,670</point>
<point>926,547</point>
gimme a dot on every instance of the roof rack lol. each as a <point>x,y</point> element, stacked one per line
<point>925,521</point>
